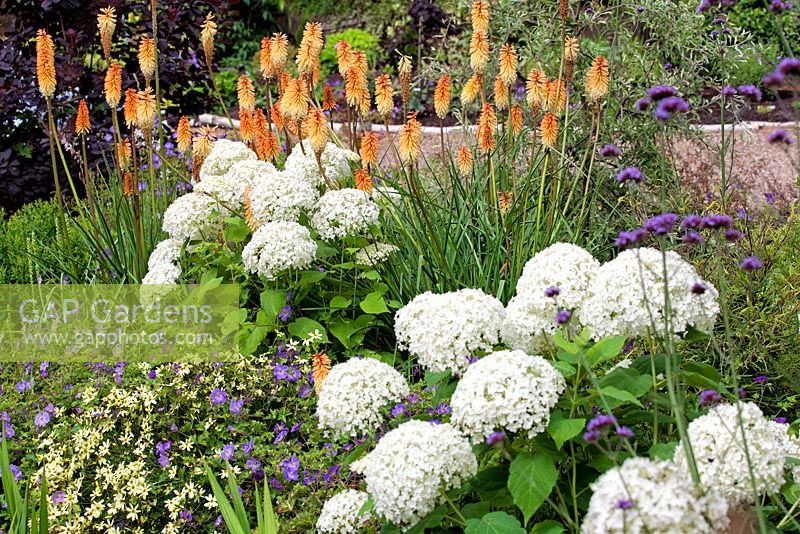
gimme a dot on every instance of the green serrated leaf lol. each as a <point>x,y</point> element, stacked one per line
<point>620,395</point>
<point>302,327</point>
<point>494,523</point>
<point>374,303</point>
<point>531,478</point>
<point>562,430</point>
<point>548,527</point>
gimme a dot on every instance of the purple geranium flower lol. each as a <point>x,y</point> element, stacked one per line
<point>291,468</point>
<point>41,419</point>
<point>218,396</point>
<point>227,452</point>
<point>236,406</point>
<point>495,438</point>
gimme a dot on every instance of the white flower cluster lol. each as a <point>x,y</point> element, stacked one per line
<point>373,253</point>
<point>354,393</point>
<point>278,246</point>
<point>645,496</point>
<point>627,296</point>
<point>335,162</point>
<point>162,266</point>
<point>409,467</point>
<point>344,212</point>
<point>339,514</point>
<point>444,330</point>
<point>531,315</point>
<point>280,196</point>
<point>224,154</point>
<point>229,188</point>
<point>719,452</point>
<point>191,216</point>
<point>506,390</point>
<point>790,444</point>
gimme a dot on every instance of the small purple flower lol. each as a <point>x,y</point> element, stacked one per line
<point>769,198</point>
<point>698,288</point>
<point>291,468</point>
<point>58,497</point>
<point>728,91</point>
<point>495,437</point>
<point>285,314</point>
<point>162,447</point>
<point>780,420</point>
<point>670,105</point>
<point>624,432</point>
<point>693,238</point>
<point>777,6</point>
<point>742,393</point>
<point>642,104</point>
<point>629,174</point>
<point>751,263</point>
<point>151,374</point>
<point>218,396</point>
<point>23,386</point>
<point>413,398</point>
<point>186,515</point>
<point>610,151</point>
<point>780,136</point>
<point>732,235</point>
<point>660,92</point>
<point>16,472</point>
<point>772,78</point>
<point>717,221</point>
<point>661,224</point>
<point>591,436</point>
<point>218,522</point>
<point>247,447</point>
<point>691,221</point>
<point>625,239</point>
<point>751,91</point>
<point>563,317</point>
<point>280,433</point>
<point>760,379</point>
<point>227,452</point>
<point>601,421</point>
<point>552,291</point>
<point>236,406</point>
<point>442,409</point>
<point>709,397</point>
<point>399,410</point>
<point>41,419</point>
<point>330,475</point>
<point>789,65</point>
<point>624,504</point>
<point>704,6</point>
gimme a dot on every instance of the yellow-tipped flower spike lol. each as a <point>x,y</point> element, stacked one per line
<point>247,126</point>
<point>404,69</point>
<point>507,64</point>
<point>344,58</point>
<point>316,128</point>
<point>536,87</point>
<point>207,33</point>
<point>278,51</point>
<point>328,98</point>
<point>597,79</point>
<point>283,81</point>
<point>572,47</point>
<point>501,94</point>
<point>487,128</point>
<point>365,100</point>
<point>464,160</point>
<point>246,94</point>
<point>320,367</point>
<point>130,106</point>
<point>480,16</point>
<point>113,85</point>
<point>45,64</point>
<point>201,148</point>
<point>265,59</point>
<point>442,97</point>
<point>479,52</point>
<point>106,23</point>
<point>249,216</point>
<point>369,149</point>
<point>384,95</point>
<point>309,49</point>
<point>549,130</point>
<point>184,136</point>
<point>294,103</point>
<point>127,184</point>
<point>82,124</point>
<point>363,181</point>
<point>145,110</point>
<point>354,84</point>
<point>123,150</point>
<point>516,119</point>
<point>471,90</point>
<point>277,116</point>
<point>556,95</point>
<point>147,57</point>
<point>359,62</point>
<point>504,202</point>
<point>563,10</point>
<point>409,139</point>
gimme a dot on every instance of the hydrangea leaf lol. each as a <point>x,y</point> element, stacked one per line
<point>604,350</point>
<point>562,430</point>
<point>620,395</point>
<point>374,303</point>
<point>494,523</point>
<point>302,327</point>
<point>548,527</point>
<point>531,479</point>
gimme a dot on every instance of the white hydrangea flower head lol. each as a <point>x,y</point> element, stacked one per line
<point>280,196</point>
<point>719,452</point>
<point>162,266</point>
<point>444,330</point>
<point>344,212</point>
<point>278,246</point>
<point>409,467</point>
<point>339,514</point>
<point>354,393</point>
<point>790,444</point>
<point>224,154</point>
<point>229,188</point>
<point>335,162</point>
<point>373,253</point>
<point>192,216</point>
<point>627,296</point>
<point>506,390</point>
<point>531,314</point>
<point>643,496</point>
